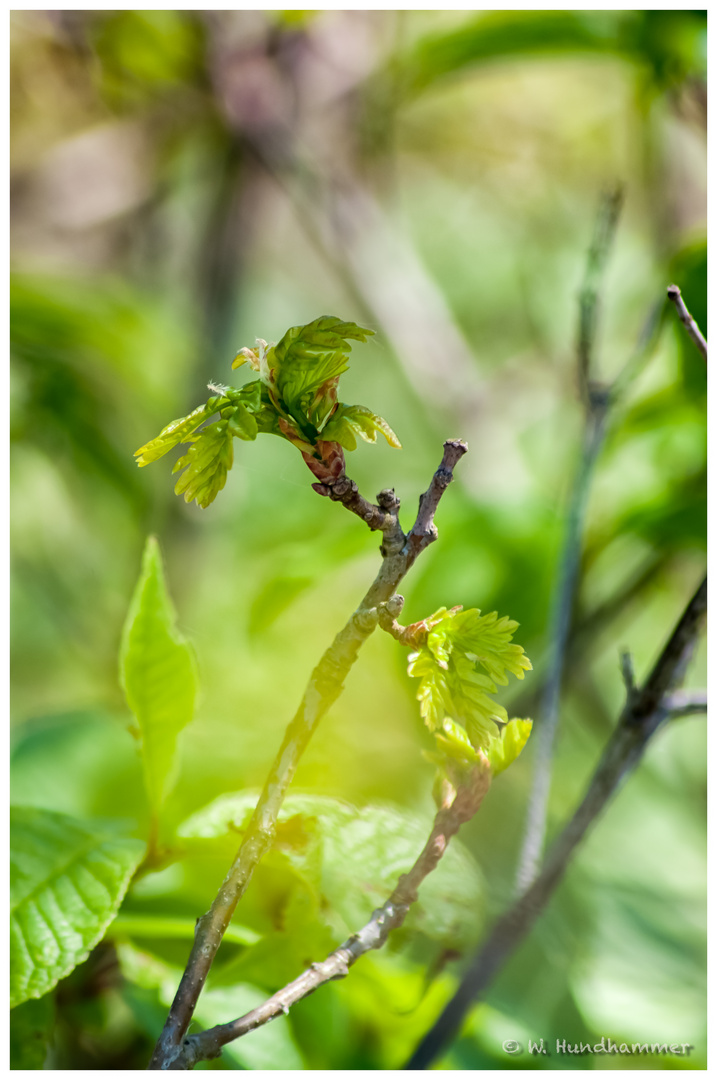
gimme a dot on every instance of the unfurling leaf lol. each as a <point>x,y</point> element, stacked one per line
<point>348,421</point>
<point>173,434</point>
<point>294,397</point>
<point>158,674</point>
<point>508,745</point>
<point>465,655</point>
<point>67,880</point>
<point>206,464</point>
<point>456,757</point>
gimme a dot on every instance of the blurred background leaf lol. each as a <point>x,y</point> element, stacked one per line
<point>184,182</point>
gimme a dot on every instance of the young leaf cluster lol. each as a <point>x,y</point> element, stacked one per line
<point>464,658</point>
<point>295,397</point>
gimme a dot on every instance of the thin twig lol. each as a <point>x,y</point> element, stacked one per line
<point>345,491</point>
<point>597,402</point>
<point>603,236</point>
<point>685,703</point>
<point>642,715</point>
<point>326,683</point>
<point>208,1044</point>
<point>693,329</point>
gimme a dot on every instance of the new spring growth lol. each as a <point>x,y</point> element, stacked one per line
<point>295,397</point>
<point>461,657</point>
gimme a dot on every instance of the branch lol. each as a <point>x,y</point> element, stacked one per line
<point>325,685</point>
<point>208,1044</point>
<point>605,227</point>
<point>693,329</point>
<point>597,402</point>
<point>644,712</point>
<point>686,703</point>
<point>383,517</point>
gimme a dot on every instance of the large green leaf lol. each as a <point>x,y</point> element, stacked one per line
<point>355,857</point>
<point>67,880</point>
<point>158,674</point>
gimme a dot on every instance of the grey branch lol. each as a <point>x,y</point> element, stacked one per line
<point>326,683</point>
<point>596,401</point>
<point>691,326</point>
<point>642,715</point>
<point>685,703</point>
<point>208,1044</point>
<point>603,236</point>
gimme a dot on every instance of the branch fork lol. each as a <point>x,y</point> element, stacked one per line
<point>399,551</point>
<point>448,820</point>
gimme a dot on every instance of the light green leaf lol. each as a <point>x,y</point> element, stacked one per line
<point>165,927</point>
<point>503,750</point>
<point>206,464</point>
<point>242,423</point>
<point>30,1030</point>
<point>67,880</point>
<point>348,421</point>
<point>306,364</point>
<point>459,644</point>
<point>231,812</point>
<point>157,673</point>
<point>281,955</point>
<point>355,857</point>
<point>454,746</point>
<point>171,435</point>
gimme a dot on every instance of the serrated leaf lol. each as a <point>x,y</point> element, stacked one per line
<point>67,880</point>
<point>355,857</point>
<point>503,750</point>
<point>206,464</point>
<point>348,421</point>
<point>459,644</point>
<point>176,432</point>
<point>305,366</point>
<point>157,673</point>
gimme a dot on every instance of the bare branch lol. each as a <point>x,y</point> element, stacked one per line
<point>448,820</point>
<point>628,673</point>
<point>605,228</point>
<point>597,401</point>
<point>691,326</point>
<point>326,683</point>
<point>640,719</point>
<point>685,703</point>
<point>424,531</point>
<point>383,517</point>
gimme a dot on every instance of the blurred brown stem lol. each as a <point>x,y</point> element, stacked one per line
<point>399,552</point>
<point>644,712</point>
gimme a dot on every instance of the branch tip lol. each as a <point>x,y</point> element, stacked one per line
<point>674,294</point>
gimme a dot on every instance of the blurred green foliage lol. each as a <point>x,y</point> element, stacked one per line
<point>183,182</point>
